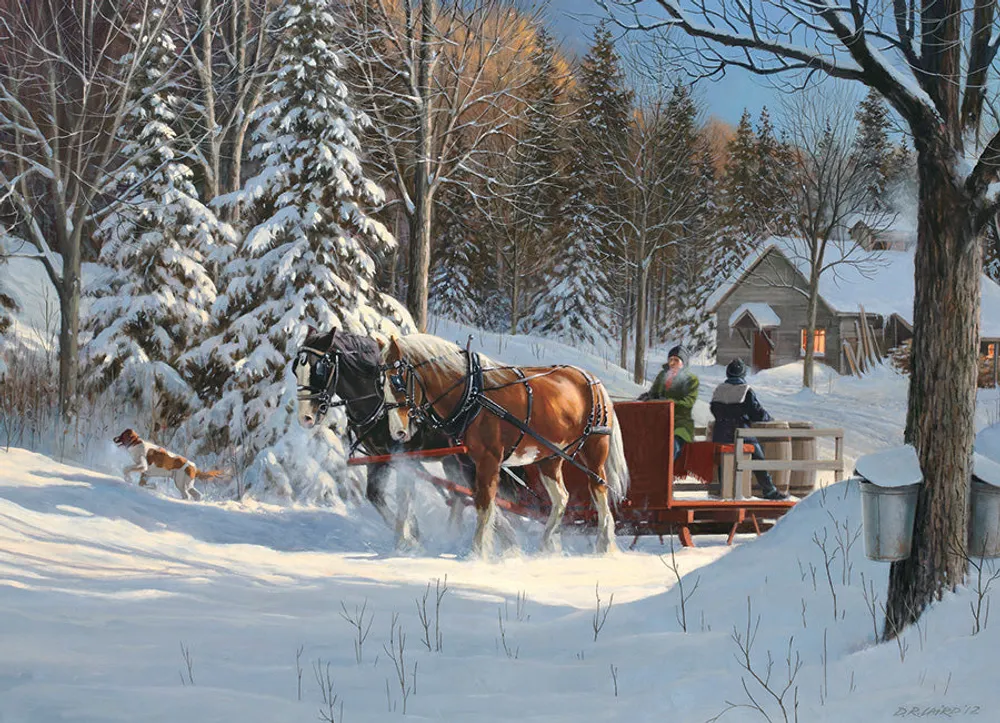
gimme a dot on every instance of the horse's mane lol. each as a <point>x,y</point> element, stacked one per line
<point>447,355</point>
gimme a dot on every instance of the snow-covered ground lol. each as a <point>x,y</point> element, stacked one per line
<point>119,603</point>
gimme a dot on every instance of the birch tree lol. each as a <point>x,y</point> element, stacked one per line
<point>443,84</point>
<point>931,61</point>
<point>228,50</point>
<point>68,73</point>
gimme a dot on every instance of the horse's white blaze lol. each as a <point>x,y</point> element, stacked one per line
<point>399,426</point>
<point>306,413</point>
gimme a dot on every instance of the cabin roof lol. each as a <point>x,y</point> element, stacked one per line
<point>881,281</point>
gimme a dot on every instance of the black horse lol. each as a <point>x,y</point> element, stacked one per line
<point>348,366</point>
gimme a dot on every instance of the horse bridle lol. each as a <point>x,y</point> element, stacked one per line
<point>322,369</point>
<point>328,367</point>
<point>424,413</point>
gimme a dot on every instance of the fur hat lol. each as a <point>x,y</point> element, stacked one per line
<point>736,369</point>
<point>680,352</point>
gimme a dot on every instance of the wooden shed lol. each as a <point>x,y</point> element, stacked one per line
<point>761,310</point>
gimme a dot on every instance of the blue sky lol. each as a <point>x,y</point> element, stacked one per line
<point>573,21</point>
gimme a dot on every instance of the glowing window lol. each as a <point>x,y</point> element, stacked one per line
<point>819,343</point>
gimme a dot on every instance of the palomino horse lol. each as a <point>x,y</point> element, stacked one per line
<point>348,366</point>
<point>511,416</point>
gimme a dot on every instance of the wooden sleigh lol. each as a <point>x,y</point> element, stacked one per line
<point>651,507</point>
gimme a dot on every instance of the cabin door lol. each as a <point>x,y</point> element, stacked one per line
<point>761,351</point>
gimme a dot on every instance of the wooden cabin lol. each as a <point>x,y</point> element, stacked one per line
<point>761,310</point>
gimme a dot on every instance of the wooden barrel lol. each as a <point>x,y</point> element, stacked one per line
<point>802,482</point>
<point>775,448</point>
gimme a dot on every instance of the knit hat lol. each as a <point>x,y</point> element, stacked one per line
<point>736,369</point>
<point>680,352</point>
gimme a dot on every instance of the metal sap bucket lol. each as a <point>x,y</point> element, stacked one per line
<point>888,514</point>
<point>984,513</point>
<point>890,483</point>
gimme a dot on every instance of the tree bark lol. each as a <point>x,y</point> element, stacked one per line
<point>942,399</point>
<point>515,295</point>
<point>624,319</point>
<point>69,328</point>
<point>810,355</point>
<point>420,223</point>
<point>642,281</point>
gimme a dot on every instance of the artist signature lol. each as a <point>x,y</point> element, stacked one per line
<point>935,711</point>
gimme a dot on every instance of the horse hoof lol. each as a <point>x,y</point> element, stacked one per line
<point>552,546</point>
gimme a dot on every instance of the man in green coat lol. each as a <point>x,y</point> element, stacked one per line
<point>677,383</point>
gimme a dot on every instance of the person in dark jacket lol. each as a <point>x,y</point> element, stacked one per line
<point>734,406</point>
<point>677,383</point>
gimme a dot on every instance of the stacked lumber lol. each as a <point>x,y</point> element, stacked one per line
<point>867,354</point>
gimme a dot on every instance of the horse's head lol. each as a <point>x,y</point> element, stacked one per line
<point>402,392</point>
<point>338,364</point>
<point>316,368</point>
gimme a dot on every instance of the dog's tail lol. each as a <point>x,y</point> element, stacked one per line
<point>212,474</point>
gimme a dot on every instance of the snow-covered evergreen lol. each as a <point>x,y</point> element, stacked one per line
<point>577,304</point>
<point>151,299</point>
<point>606,104</point>
<point>773,175</point>
<point>306,261</point>
<point>872,147</point>
<point>702,262</point>
<point>740,178</point>
<point>456,279</point>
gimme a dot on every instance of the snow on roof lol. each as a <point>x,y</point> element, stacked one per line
<point>762,314</point>
<point>883,283</point>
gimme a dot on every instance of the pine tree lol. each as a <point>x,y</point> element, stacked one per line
<point>577,304</point>
<point>771,197</point>
<point>686,193</point>
<point>456,265</point>
<point>740,212</point>
<point>606,106</point>
<point>872,147</point>
<point>151,297</point>
<point>308,259</point>
<point>702,262</point>
<point>534,176</point>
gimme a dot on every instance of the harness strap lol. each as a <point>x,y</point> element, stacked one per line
<point>527,416</point>
<point>506,416</point>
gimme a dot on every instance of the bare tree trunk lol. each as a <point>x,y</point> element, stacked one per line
<point>642,281</point>
<point>420,224</point>
<point>208,87</point>
<point>515,295</point>
<point>942,401</point>
<point>624,317</point>
<point>69,327</point>
<point>810,356</point>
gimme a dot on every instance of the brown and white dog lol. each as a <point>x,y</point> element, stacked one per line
<point>151,460</point>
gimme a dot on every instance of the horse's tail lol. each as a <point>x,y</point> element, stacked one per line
<point>615,466</point>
